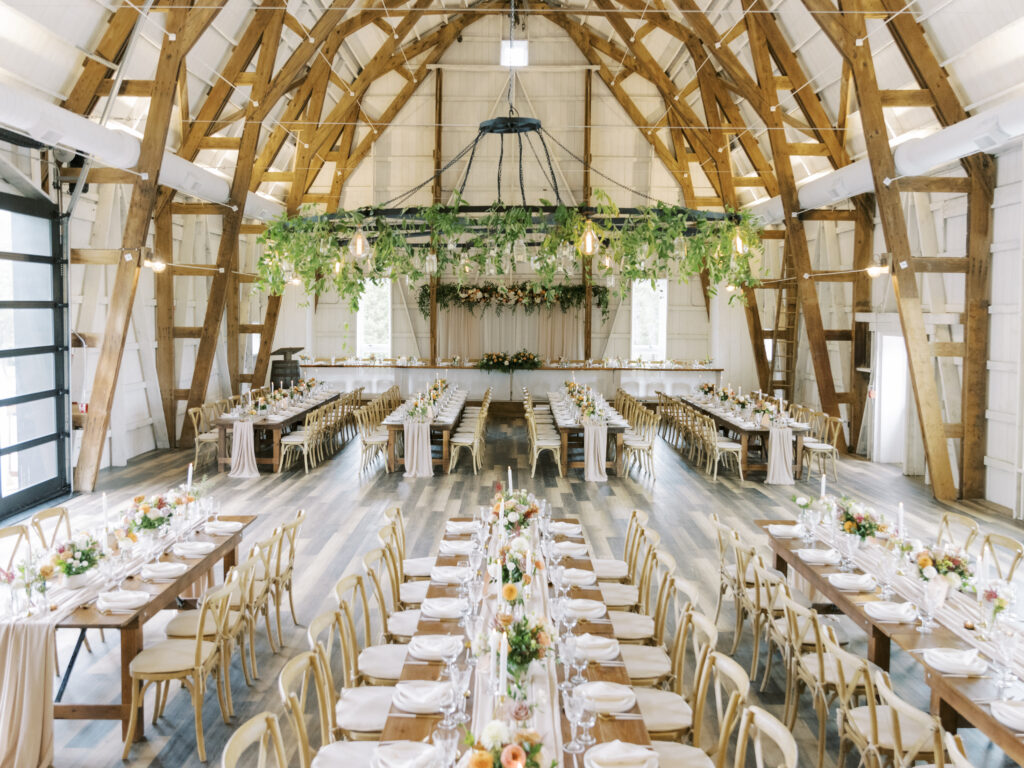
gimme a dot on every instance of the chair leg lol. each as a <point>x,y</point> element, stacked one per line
<point>756,630</point>
<point>822,707</point>
<point>133,720</point>
<point>197,707</point>
<point>252,648</point>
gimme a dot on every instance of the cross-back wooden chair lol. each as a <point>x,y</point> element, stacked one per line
<point>1004,552</point>
<point>956,529</point>
<point>262,731</point>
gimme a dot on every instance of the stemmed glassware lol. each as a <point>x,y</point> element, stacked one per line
<point>574,712</point>
<point>461,673</point>
<point>446,739</point>
<point>932,598</point>
<point>448,704</point>
<point>1007,638</point>
<point>888,564</point>
<point>579,664</point>
<point>807,526</point>
<point>588,717</point>
<point>847,546</point>
<point>450,656</point>
<point>567,653</point>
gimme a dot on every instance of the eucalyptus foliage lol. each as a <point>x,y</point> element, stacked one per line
<point>316,251</point>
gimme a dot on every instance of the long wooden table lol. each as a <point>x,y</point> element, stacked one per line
<point>401,726</point>
<point>275,427</point>
<point>443,428</point>
<point>956,700</point>
<point>746,433</point>
<point>129,625</point>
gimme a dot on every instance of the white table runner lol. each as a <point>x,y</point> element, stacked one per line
<point>243,450</point>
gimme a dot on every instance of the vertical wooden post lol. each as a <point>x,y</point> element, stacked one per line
<point>433,321</point>
<point>860,361</point>
<point>136,231</point>
<point>438,114</point>
<point>233,343</point>
<point>163,243</point>
<point>588,261</point>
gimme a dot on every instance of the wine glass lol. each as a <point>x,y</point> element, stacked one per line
<point>476,559</point>
<point>847,546</point>
<point>451,654</point>
<point>461,673</point>
<point>557,612</point>
<point>574,713</point>
<point>807,526</point>
<point>931,600</point>
<point>566,652</point>
<point>888,564</point>
<point>448,704</point>
<point>588,717</point>
<point>579,664</point>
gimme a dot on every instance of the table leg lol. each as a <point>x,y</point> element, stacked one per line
<point>878,648</point>
<point>799,455</point>
<point>619,442</point>
<point>391,449</point>
<point>948,716</point>
<point>277,450</point>
<point>445,434</point>
<point>131,646</point>
<point>565,450</point>
<point>744,451</point>
<point>780,564</point>
<point>222,445</point>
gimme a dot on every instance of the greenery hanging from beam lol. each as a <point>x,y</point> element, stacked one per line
<point>341,251</point>
<point>530,297</point>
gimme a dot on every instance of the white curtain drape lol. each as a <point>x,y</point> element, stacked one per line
<point>550,333</point>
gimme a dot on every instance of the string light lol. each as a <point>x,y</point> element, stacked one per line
<point>359,246</point>
<point>589,242</point>
<point>155,264</point>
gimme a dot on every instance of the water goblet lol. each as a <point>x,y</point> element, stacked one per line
<point>574,713</point>
<point>566,652</point>
<point>475,592</point>
<point>579,664</point>
<point>557,612</point>
<point>448,705</point>
<point>931,600</point>
<point>1007,638</point>
<point>807,526</point>
<point>462,673</point>
<point>476,559</point>
<point>847,546</point>
<point>588,718</point>
<point>887,572</point>
<point>451,654</point>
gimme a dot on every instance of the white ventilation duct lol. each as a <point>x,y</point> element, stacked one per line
<point>49,124</point>
<point>981,133</point>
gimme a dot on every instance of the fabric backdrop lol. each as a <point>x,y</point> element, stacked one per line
<point>550,333</point>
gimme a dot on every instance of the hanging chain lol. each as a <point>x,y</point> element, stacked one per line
<point>551,167</point>
<point>471,147</point>
<point>604,176</point>
<point>501,159</point>
<point>522,186</point>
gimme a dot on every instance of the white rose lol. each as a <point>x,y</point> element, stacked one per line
<point>513,517</point>
<point>495,734</point>
<point>929,573</point>
<point>519,544</point>
<point>953,579</point>
<point>494,571</point>
<point>801,501</point>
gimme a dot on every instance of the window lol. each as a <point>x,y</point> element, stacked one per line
<point>33,356</point>
<point>648,338</point>
<point>373,323</point>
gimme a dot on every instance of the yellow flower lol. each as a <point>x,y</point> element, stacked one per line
<point>480,759</point>
<point>849,525</point>
<point>510,592</point>
<point>923,561</point>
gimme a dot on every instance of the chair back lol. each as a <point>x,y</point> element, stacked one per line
<point>198,420</point>
<point>955,751</point>
<point>956,529</point>
<point>16,544</point>
<point>758,726</point>
<point>395,516</point>
<point>1004,552</point>
<point>289,546</point>
<point>58,518</point>
<point>214,610</point>
<point>320,635</point>
<point>264,730</point>
<point>351,590</point>
<point>731,687</point>
<point>292,684</point>
<point>923,726</point>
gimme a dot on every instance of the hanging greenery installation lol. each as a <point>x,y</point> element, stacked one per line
<point>530,297</point>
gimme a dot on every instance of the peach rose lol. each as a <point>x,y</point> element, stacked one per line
<point>510,592</point>
<point>480,759</point>
<point>527,578</point>
<point>923,561</point>
<point>139,499</point>
<point>543,640</point>
<point>513,756</point>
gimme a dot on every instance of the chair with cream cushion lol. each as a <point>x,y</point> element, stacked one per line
<point>398,625</point>
<point>612,569</point>
<point>412,567</point>
<point>360,711</point>
<point>758,726</point>
<point>824,449</point>
<point>376,663</point>
<point>263,730</point>
<point>955,751</point>
<point>190,661</point>
<point>672,753</point>
<point>650,665</point>
<point>204,436</point>
<point>410,593</point>
<point>541,441</point>
<point>619,596</point>
<point>1004,552</point>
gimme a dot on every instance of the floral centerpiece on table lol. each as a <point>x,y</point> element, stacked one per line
<point>590,411</point>
<point>457,361</point>
<point>526,361</point>
<point>494,361</point>
<point>993,598</point>
<point>437,390</point>
<point>75,557</point>
<point>35,576</point>
<point>951,565</point>
<point>724,395</point>
<point>517,567</point>
<point>741,402</point>
<point>498,746</point>
<point>571,387</point>
<point>761,408</point>
<point>260,406</point>
<point>707,389</point>
<point>419,409</point>
<point>529,639</point>
<point>858,519</point>
<point>150,514</point>
<point>514,509</point>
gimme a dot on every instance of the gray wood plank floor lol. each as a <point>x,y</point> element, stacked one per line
<point>345,511</point>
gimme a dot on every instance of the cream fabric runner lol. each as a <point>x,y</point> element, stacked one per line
<point>595,447</point>
<point>417,449</point>
<point>26,695</point>
<point>780,456</point>
<point>243,450</point>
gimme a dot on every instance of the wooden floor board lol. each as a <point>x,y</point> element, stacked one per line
<point>345,511</point>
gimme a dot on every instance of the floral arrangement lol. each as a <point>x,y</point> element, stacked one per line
<point>419,409</point>
<point>855,518</point>
<point>457,360</point>
<point>514,509</point>
<point>526,361</point>
<point>526,295</point>
<point>77,556</point>
<point>437,390</point>
<point>590,411</point>
<point>529,639</point>
<point>707,389</point>
<point>994,598</point>
<point>741,402</point>
<point>150,514</point>
<point>499,747</point>
<point>724,395</point>
<point>517,567</point>
<point>761,408</point>
<point>495,361</point>
<point>571,387</point>
<point>950,565</point>
<point>36,575</point>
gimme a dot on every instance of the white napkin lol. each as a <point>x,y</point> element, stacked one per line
<point>785,531</point>
<point>571,548</point>
<point>1009,713</point>
<point>562,528</point>
<point>582,608</point>
<point>608,697</point>
<point>421,697</point>
<point>953,661</point>
<point>620,754</point>
<point>222,527</point>
<point>121,601</point>
<point>461,526</point>
<point>852,582</point>
<point>578,577</point>
<point>449,547</point>
<point>448,574</point>
<point>799,424</point>
<point>405,754</point>
<point>162,571</point>
<point>434,647</point>
<point>898,613</point>
<point>596,647</point>
<point>192,550</point>
<point>442,607</point>
<point>818,556</point>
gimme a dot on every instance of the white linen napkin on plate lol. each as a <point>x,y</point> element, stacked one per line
<point>571,548</point>
<point>442,607</point>
<point>461,526</point>
<point>578,577</point>
<point>898,613</point>
<point>818,556</point>
<point>1009,713</point>
<point>162,571</point>
<point>421,697</point>
<point>608,697</point>
<point>405,754</point>
<point>584,608</point>
<point>852,582</point>
<point>192,550</point>
<point>121,601</point>
<point>785,531</point>
<point>222,527</point>
<point>563,528</point>
<point>434,647</point>
<point>449,574</point>
<point>620,754</point>
<point>954,661</point>
<point>596,647</point>
<point>449,547</point>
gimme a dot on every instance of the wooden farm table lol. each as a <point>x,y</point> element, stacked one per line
<point>445,428</point>
<point>746,432</point>
<point>574,430</point>
<point>956,700</point>
<point>276,428</point>
<point>419,728</point>
<point>165,595</point>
